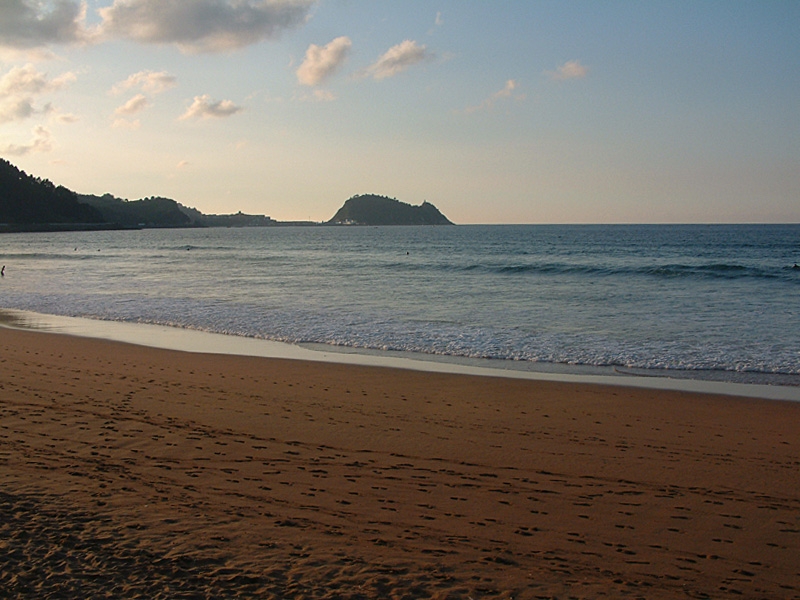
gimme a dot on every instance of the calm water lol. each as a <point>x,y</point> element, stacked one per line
<point>702,301</point>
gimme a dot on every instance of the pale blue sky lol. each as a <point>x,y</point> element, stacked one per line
<point>497,112</point>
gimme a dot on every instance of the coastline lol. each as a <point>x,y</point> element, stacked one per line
<point>189,340</point>
<point>146,472</point>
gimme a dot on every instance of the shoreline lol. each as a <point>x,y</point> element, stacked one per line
<point>142,472</point>
<point>188,340</point>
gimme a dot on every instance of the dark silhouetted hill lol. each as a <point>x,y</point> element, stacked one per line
<point>28,202</point>
<point>369,209</point>
<point>165,212</point>
<point>147,212</point>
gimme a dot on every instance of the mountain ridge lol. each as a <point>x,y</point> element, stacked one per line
<point>29,203</point>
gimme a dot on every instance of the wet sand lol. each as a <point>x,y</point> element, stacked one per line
<point>142,473</point>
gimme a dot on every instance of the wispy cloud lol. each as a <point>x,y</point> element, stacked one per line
<point>438,21</point>
<point>17,55</point>
<point>20,89</point>
<point>150,82</point>
<point>572,69</point>
<point>322,62</point>
<point>507,92</point>
<point>41,142</point>
<point>202,25</point>
<point>136,104</point>
<point>31,23</point>
<point>60,117</point>
<point>397,59</point>
<point>203,107</point>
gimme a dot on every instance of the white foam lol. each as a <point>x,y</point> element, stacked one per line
<point>187,340</point>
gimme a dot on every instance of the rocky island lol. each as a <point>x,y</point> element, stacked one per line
<point>369,209</point>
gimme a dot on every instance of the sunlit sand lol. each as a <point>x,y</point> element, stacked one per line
<point>139,472</point>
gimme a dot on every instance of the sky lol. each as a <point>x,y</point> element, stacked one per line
<point>529,111</point>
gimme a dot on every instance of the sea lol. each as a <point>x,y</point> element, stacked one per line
<point>706,302</point>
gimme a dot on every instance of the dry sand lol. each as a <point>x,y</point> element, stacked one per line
<point>134,472</point>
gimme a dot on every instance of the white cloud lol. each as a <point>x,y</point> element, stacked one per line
<point>27,80</point>
<point>202,25</point>
<point>15,109</point>
<point>397,59</point>
<point>40,143</point>
<point>150,82</point>
<point>21,87</point>
<point>31,23</point>
<point>63,117</point>
<point>321,62</point>
<point>572,69</point>
<point>193,25</point>
<point>18,55</point>
<point>136,104</point>
<point>203,108</point>
<point>506,92</point>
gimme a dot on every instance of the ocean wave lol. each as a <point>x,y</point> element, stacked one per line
<point>621,297</point>
<point>53,256</point>
<point>712,270</point>
<point>658,271</point>
<point>185,247</point>
<point>382,332</point>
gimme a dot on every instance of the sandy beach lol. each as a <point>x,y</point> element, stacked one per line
<point>132,472</point>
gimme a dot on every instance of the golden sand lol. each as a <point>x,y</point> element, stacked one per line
<point>132,472</point>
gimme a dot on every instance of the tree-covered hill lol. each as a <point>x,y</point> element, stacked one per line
<point>166,212</point>
<point>30,203</point>
<point>147,212</point>
<point>26,200</point>
<point>369,209</point>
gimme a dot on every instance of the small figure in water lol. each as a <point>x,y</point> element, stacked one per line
<point>3,271</point>
<point>796,266</point>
